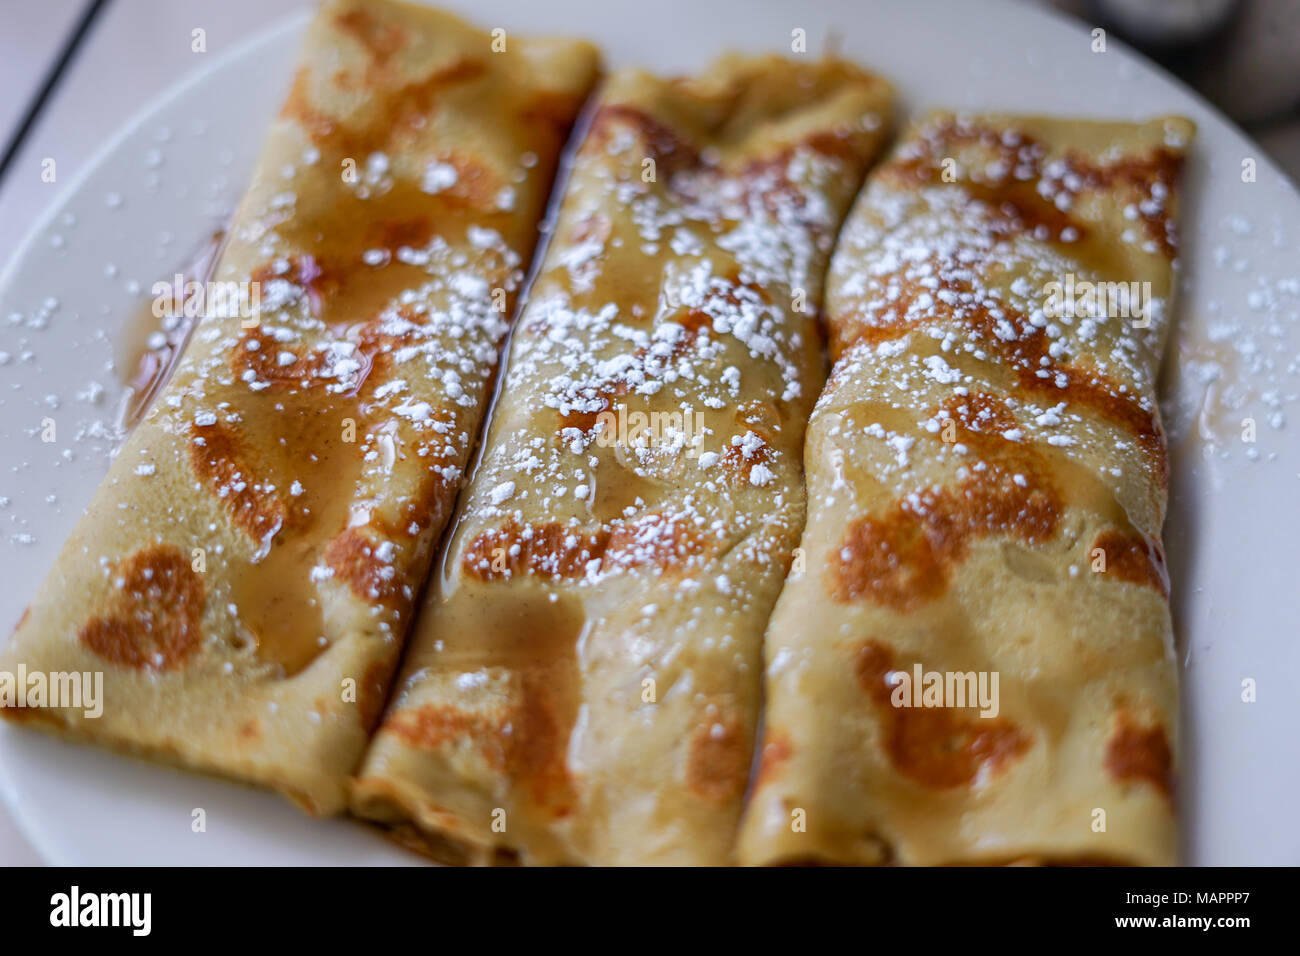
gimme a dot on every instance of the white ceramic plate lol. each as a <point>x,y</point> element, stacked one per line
<point>160,189</point>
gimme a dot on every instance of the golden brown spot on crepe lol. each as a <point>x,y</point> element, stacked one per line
<point>353,556</point>
<point>427,506</point>
<point>262,358</point>
<point>1162,165</point>
<point>1135,752</point>
<point>337,283</point>
<point>669,151</point>
<point>380,39</point>
<point>981,418</point>
<point>773,758</point>
<point>392,115</point>
<point>431,727</point>
<point>1015,206</point>
<point>935,746</point>
<point>761,417</point>
<point>738,460</point>
<point>377,343</point>
<point>553,112</point>
<point>693,323</point>
<point>1015,198</point>
<point>477,186</point>
<point>374,348</point>
<point>409,106</point>
<point>902,557</point>
<point>152,619</point>
<point>304,271</point>
<point>556,550</point>
<point>539,743</point>
<point>528,741</point>
<point>1135,557</point>
<point>331,270</point>
<point>220,460</point>
<point>717,764</point>
<point>922,161</point>
<point>764,179</point>
<point>412,230</point>
<point>890,560</point>
<point>550,549</point>
<point>1027,354</point>
<point>251,730</point>
<point>353,553</point>
<point>649,540</point>
<point>845,145</point>
<point>581,420</point>
<point>297,106</point>
<point>586,420</point>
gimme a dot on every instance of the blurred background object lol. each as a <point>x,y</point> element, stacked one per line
<point>1241,55</point>
<point>1166,23</point>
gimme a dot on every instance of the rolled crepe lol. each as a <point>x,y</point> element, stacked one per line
<point>583,683</point>
<point>987,483</point>
<point>245,574</point>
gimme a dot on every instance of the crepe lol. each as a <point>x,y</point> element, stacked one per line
<point>987,482</point>
<point>583,683</point>
<point>244,576</point>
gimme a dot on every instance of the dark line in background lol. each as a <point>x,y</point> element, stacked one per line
<point>52,78</point>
